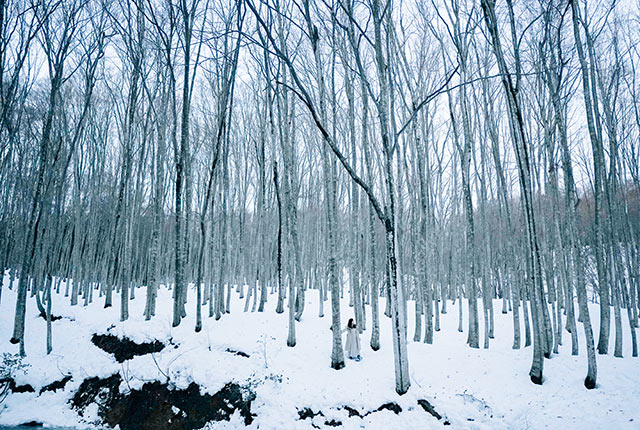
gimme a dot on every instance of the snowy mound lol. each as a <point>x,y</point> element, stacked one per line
<point>295,387</point>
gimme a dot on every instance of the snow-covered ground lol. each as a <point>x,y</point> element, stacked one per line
<point>473,389</point>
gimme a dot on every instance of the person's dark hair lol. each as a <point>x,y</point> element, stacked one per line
<point>351,323</point>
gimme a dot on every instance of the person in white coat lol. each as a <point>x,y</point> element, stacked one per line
<point>353,341</point>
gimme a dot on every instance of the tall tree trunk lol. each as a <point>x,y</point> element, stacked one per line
<point>522,155</point>
<point>592,114</point>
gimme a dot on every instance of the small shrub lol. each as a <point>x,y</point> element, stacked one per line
<point>9,366</point>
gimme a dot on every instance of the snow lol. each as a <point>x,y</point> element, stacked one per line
<point>472,388</point>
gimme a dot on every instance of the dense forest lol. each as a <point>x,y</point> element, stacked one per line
<point>428,152</point>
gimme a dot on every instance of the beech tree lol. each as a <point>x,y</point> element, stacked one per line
<point>479,155</point>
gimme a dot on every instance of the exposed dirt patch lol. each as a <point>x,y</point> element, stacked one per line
<point>238,353</point>
<point>43,315</point>
<point>56,385</point>
<point>9,384</point>
<point>429,408</point>
<point>156,405</point>
<point>352,412</point>
<point>102,392</point>
<point>305,413</point>
<point>391,406</point>
<point>124,349</point>
<point>26,388</point>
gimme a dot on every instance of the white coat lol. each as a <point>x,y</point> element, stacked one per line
<point>352,346</point>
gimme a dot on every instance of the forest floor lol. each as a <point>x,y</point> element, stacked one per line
<point>470,388</point>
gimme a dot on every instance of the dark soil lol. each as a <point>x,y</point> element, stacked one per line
<point>156,406</point>
<point>56,385</point>
<point>26,388</point>
<point>103,392</point>
<point>305,413</point>
<point>352,412</point>
<point>43,315</point>
<point>124,349</point>
<point>429,408</point>
<point>391,406</point>
<point>238,353</point>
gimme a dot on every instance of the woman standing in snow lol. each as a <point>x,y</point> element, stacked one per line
<point>353,340</point>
